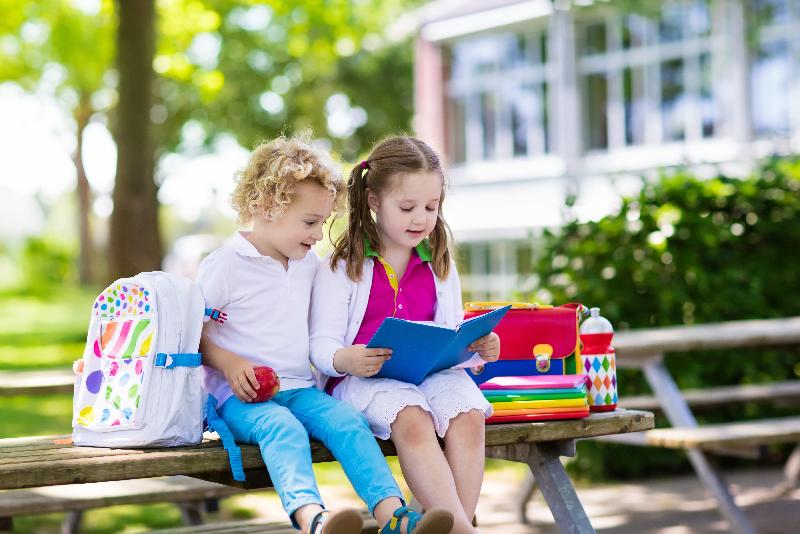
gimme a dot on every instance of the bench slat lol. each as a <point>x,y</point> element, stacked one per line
<point>772,392</point>
<point>210,457</point>
<point>36,382</point>
<point>748,433</point>
<point>257,526</point>
<point>86,496</point>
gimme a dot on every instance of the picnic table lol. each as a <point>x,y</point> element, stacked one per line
<point>54,460</point>
<point>647,350</point>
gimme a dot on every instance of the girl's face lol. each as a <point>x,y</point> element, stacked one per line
<point>407,211</point>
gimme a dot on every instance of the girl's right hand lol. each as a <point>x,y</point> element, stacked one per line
<point>358,360</point>
<point>239,373</point>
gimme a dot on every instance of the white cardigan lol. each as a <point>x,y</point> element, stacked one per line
<point>338,305</point>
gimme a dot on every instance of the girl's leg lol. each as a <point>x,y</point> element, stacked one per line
<point>425,466</point>
<point>465,450</point>
<point>285,449</point>
<point>460,410</point>
<point>346,433</point>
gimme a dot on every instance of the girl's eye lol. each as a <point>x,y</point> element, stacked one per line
<point>407,210</point>
<point>310,223</point>
<point>431,209</point>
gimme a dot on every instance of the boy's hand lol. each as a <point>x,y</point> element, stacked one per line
<point>487,347</point>
<point>241,377</point>
<point>358,360</point>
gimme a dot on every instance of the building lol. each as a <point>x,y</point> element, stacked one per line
<point>536,101</point>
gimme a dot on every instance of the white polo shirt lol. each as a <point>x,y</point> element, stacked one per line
<point>267,309</point>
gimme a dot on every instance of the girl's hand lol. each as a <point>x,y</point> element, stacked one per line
<point>358,360</point>
<point>239,373</point>
<point>487,347</point>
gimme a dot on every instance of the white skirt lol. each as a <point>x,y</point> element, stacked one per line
<point>444,395</point>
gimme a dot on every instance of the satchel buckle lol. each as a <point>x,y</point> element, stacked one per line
<point>543,352</point>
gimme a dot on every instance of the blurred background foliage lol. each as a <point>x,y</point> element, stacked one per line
<point>686,250</point>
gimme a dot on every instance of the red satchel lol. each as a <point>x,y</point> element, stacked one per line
<point>534,339</point>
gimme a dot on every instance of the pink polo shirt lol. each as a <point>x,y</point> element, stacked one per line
<point>416,297</point>
<point>415,300</point>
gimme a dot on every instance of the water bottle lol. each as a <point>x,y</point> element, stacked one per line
<point>599,362</point>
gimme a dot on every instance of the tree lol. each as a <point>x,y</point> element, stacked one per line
<point>135,243</point>
<point>42,34</point>
<point>276,66</point>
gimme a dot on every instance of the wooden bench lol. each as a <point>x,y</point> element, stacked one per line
<point>36,382</point>
<point>258,526</point>
<point>49,461</point>
<point>192,496</point>
<point>645,350</point>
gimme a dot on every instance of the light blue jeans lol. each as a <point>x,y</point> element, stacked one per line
<point>281,427</point>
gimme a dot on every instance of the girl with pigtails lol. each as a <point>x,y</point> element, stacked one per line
<point>395,260</point>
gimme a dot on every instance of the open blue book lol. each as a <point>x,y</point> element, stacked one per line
<point>421,349</point>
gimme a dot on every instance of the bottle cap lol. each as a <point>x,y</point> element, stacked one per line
<point>596,324</point>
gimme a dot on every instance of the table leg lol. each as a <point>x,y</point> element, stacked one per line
<point>525,495</point>
<point>551,478</point>
<point>679,414</point>
<point>791,472</point>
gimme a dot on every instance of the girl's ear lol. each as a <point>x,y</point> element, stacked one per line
<point>373,201</point>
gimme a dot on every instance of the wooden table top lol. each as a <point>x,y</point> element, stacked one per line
<point>53,460</point>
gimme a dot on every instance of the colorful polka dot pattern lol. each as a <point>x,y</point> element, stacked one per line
<point>123,300</point>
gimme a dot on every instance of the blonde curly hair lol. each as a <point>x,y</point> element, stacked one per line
<point>266,184</point>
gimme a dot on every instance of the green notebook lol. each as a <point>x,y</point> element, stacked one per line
<point>535,396</point>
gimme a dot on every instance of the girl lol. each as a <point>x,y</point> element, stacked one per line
<point>399,264</point>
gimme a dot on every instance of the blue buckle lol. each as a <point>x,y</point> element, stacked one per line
<point>170,361</point>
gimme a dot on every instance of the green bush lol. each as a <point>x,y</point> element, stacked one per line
<point>46,264</point>
<point>685,251</point>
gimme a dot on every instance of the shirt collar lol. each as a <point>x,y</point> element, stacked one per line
<point>423,250</point>
<point>243,247</point>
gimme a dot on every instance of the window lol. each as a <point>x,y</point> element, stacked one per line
<point>497,97</point>
<point>648,79</point>
<point>775,66</point>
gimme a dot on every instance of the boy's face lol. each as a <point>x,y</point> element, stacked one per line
<point>291,234</point>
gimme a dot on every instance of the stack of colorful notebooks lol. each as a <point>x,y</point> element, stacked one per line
<point>536,398</point>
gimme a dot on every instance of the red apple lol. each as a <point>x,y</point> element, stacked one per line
<point>268,381</point>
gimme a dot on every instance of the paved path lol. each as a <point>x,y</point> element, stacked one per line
<point>670,506</point>
<point>666,506</point>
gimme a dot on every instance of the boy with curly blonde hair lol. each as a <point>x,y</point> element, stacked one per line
<point>262,280</point>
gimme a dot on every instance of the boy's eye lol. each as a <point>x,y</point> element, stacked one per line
<point>431,209</point>
<point>310,223</point>
<point>406,209</point>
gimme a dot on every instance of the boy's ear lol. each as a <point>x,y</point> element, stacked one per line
<point>372,200</point>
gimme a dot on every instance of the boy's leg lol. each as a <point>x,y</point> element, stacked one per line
<point>346,433</point>
<point>284,447</point>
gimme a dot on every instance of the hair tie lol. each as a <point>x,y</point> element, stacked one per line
<point>365,164</point>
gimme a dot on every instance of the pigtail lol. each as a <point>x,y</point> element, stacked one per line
<point>441,241</point>
<point>360,226</point>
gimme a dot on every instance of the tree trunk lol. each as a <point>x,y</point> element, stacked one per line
<point>84,195</point>
<point>135,244</point>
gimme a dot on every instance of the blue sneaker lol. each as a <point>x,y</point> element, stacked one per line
<point>435,521</point>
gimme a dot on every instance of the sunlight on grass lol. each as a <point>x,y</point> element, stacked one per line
<point>35,416</point>
<point>59,317</point>
<point>13,358</point>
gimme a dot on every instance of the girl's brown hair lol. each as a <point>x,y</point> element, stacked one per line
<point>388,160</point>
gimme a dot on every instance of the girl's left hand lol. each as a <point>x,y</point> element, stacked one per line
<point>487,347</point>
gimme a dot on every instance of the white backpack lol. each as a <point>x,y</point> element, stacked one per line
<point>141,379</point>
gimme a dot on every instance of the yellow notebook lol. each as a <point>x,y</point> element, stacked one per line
<point>553,403</point>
